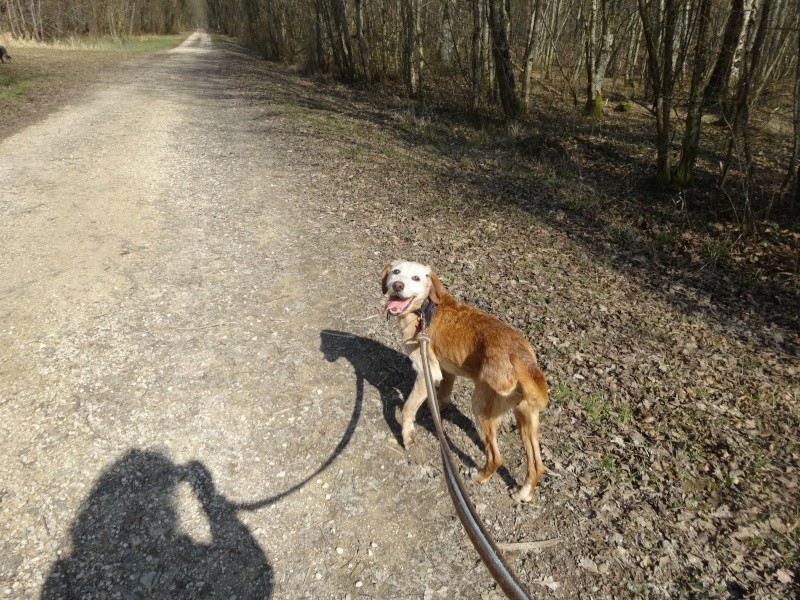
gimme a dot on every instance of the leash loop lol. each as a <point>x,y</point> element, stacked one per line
<point>476,530</point>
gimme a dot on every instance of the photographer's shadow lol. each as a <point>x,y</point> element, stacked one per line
<point>127,540</point>
<point>390,372</point>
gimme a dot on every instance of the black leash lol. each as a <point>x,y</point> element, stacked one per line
<point>476,530</point>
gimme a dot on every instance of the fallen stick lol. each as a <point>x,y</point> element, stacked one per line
<point>526,546</point>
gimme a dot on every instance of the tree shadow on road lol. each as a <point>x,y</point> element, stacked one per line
<point>127,541</point>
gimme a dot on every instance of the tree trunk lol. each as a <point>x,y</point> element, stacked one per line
<point>633,51</point>
<point>342,41</point>
<point>589,18</point>
<point>33,19</point>
<point>477,51</point>
<point>527,77</point>
<point>740,126</point>
<point>716,90</point>
<point>362,39</point>
<point>691,138</point>
<point>448,44</point>
<point>597,58</point>
<point>661,70</point>
<point>412,49</point>
<point>502,59</point>
<point>487,62</point>
<point>133,15</point>
<point>793,175</point>
<point>603,58</point>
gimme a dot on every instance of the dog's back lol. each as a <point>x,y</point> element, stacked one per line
<point>4,54</point>
<point>476,345</point>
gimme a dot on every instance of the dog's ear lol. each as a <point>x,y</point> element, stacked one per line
<point>436,293</point>
<point>384,276</point>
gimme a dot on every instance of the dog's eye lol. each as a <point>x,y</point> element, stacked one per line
<point>415,278</point>
<point>396,272</point>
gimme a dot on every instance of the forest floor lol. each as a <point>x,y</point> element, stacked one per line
<point>198,391</point>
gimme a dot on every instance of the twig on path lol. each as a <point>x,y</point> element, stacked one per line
<point>526,546</point>
<point>201,326</point>
<point>293,407</point>
<point>391,447</point>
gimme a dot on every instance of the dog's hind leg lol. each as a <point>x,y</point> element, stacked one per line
<point>528,425</point>
<point>484,403</point>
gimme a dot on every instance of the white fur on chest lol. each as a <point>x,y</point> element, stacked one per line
<point>408,330</point>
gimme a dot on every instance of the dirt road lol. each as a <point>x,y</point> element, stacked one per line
<point>198,394</point>
<point>166,293</point>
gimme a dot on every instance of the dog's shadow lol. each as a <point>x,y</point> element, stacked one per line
<point>387,370</point>
<point>390,372</point>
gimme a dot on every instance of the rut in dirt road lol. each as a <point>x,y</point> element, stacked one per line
<point>166,292</point>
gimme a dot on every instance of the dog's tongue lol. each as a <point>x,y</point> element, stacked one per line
<point>396,305</point>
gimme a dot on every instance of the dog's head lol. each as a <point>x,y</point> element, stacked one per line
<point>408,285</point>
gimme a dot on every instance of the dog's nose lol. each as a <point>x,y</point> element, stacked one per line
<point>398,286</point>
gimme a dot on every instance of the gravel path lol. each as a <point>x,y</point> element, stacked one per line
<point>198,395</point>
<point>173,421</point>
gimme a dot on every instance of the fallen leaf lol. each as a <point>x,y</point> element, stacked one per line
<point>548,583</point>
<point>784,576</point>
<point>589,565</point>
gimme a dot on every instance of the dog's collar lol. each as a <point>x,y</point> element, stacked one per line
<point>425,314</point>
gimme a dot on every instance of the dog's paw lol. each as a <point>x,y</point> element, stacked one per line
<point>523,493</point>
<point>409,437</point>
<point>477,475</point>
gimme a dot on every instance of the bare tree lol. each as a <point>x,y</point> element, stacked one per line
<point>716,91</point>
<point>477,52</point>
<point>661,70</point>
<point>363,51</point>
<point>694,112</point>
<point>413,49</point>
<point>502,59</point>
<point>528,58</point>
<point>597,51</point>
<point>793,174</point>
<point>339,34</point>
<point>740,146</point>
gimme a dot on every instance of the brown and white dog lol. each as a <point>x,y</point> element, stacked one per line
<point>468,343</point>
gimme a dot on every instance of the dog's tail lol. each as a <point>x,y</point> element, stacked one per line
<point>531,381</point>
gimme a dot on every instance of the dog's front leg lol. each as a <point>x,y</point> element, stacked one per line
<point>415,399</point>
<point>418,393</point>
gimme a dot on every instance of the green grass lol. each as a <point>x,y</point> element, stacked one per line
<point>152,44</point>
<point>539,297</point>
<point>595,407</point>
<point>40,69</point>
<point>624,413</point>
<point>607,467</point>
<point>13,85</point>
<point>561,392</point>
<point>141,43</point>
<point>15,90</point>
<point>718,253</point>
